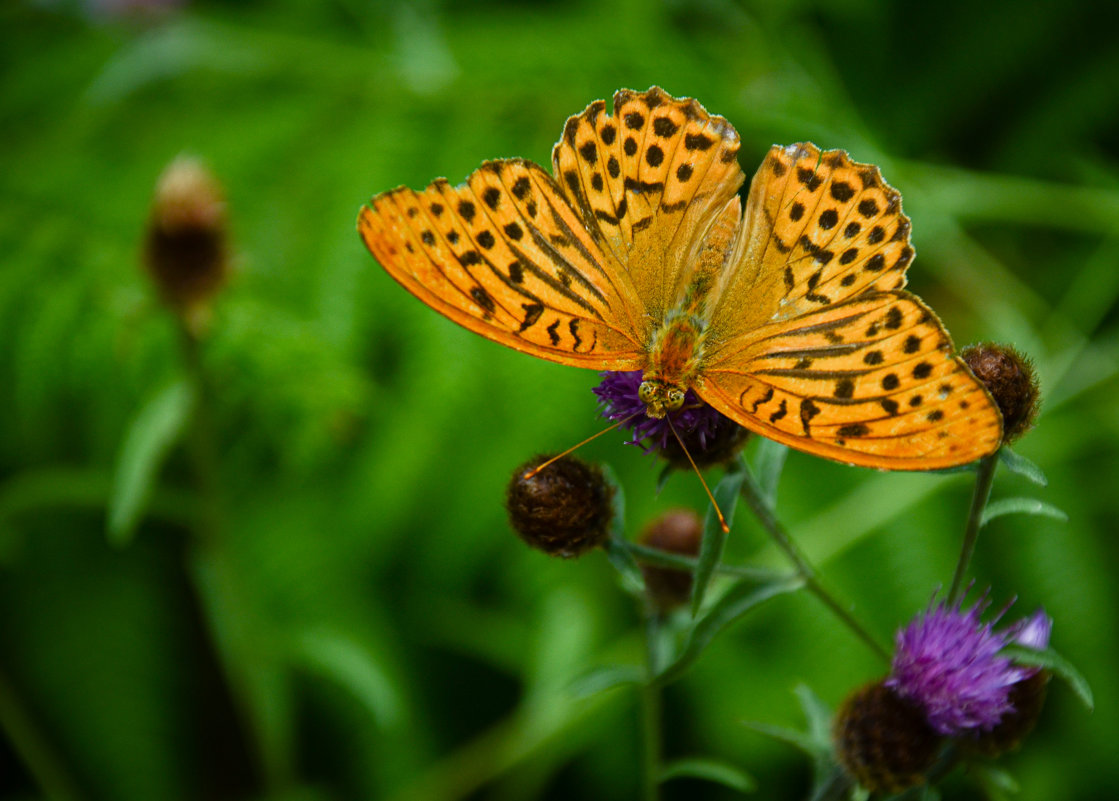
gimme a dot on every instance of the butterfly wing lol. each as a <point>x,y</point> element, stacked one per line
<point>650,180</point>
<point>831,356</point>
<point>506,256</point>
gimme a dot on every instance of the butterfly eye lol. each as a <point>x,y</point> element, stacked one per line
<point>647,392</point>
<point>675,399</point>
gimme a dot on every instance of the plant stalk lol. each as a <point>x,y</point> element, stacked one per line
<point>983,480</point>
<point>651,715</point>
<point>768,518</point>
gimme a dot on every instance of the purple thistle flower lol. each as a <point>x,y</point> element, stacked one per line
<point>947,662</point>
<point>619,399</point>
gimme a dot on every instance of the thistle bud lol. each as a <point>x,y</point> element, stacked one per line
<point>884,741</point>
<point>679,531</point>
<point>1009,377</point>
<point>564,510</point>
<point>185,244</point>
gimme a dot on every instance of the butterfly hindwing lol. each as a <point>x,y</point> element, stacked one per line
<point>871,381</point>
<point>506,256</point>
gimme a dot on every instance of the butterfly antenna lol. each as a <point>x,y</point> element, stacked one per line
<point>714,505</point>
<point>559,456</point>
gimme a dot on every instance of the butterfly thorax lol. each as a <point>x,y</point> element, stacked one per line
<point>674,361</point>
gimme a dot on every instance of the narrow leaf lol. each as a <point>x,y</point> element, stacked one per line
<point>146,444</point>
<point>605,678</point>
<point>817,714</point>
<point>622,559</point>
<point>769,461</point>
<point>714,539</point>
<point>1051,660</point>
<point>1017,463</point>
<point>618,523</point>
<point>1020,506</point>
<point>662,479</point>
<point>738,600</point>
<point>709,770</point>
<point>997,782</point>
<point>800,740</point>
<point>351,665</point>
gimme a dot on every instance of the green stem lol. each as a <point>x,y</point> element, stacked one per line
<point>651,715</point>
<point>225,607</point>
<point>658,558</point>
<point>768,518</point>
<point>43,762</point>
<point>983,480</point>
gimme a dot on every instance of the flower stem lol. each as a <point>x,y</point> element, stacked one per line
<point>983,480</point>
<point>225,606</point>
<point>768,518</point>
<point>42,760</point>
<point>651,714</point>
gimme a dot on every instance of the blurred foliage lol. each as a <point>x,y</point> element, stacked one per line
<point>366,626</point>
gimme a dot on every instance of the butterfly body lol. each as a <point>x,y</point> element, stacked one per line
<point>786,313</point>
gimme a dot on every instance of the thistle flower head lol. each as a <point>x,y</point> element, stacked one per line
<point>710,436</point>
<point>948,663</point>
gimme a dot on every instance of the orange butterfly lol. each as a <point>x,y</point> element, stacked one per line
<point>789,318</point>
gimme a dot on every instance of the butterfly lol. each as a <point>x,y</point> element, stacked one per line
<point>787,315</point>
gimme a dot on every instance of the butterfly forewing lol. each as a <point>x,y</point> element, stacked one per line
<point>506,256</point>
<point>649,179</point>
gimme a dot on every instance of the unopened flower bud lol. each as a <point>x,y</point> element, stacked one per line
<point>185,245</point>
<point>1009,377</point>
<point>679,531</point>
<point>884,741</point>
<point>564,510</point>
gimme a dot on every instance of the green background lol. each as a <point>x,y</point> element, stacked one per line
<point>365,625</point>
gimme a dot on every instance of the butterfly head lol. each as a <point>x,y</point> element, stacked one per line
<point>660,397</point>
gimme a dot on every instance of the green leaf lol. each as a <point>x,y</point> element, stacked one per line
<point>622,559</point>
<point>1016,463</point>
<point>662,479</point>
<point>149,439</point>
<point>1020,506</point>
<point>352,666</point>
<point>1051,660</point>
<point>618,522</point>
<point>711,770</point>
<point>769,461</point>
<point>738,600</point>
<point>998,785</point>
<point>605,678</point>
<point>714,538</point>
<point>817,714</point>
<point>799,740</point>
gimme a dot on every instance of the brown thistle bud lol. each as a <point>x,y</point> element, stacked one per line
<point>679,531</point>
<point>564,510</point>
<point>884,741</point>
<point>185,243</point>
<point>1028,697</point>
<point>1009,377</point>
